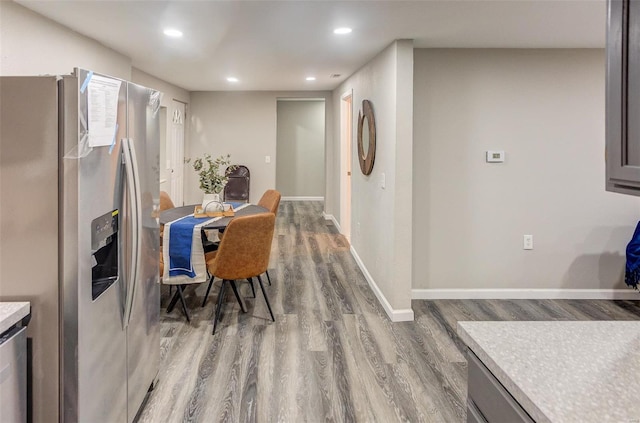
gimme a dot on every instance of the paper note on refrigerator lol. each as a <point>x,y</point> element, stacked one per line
<point>102,110</point>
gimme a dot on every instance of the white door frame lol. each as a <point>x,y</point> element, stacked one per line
<point>346,147</point>
<point>175,151</point>
<point>165,174</point>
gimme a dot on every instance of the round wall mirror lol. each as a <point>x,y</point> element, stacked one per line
<point>366,137</point>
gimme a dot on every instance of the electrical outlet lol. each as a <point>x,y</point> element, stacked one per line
<point>527,242</point>
<point>383,181</point>
<point>358,228</point>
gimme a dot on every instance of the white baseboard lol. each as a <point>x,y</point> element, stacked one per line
<point>302,199</point>
<point>530,294</point>
<point>399,315</point>
<point>332,219</point>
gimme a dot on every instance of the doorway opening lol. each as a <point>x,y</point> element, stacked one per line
<point>300,145</point>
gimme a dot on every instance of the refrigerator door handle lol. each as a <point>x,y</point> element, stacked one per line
<point>135,207</point>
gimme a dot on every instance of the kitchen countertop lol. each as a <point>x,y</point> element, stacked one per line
<point>564,371</point>
<point>11,313</point>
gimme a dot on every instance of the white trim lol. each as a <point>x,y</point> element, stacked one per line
<point>533,294</point>
<point>344,183</point>
<point>302,199</point>
<point>301,99</point>
<point>399,315</point>
<point>333,219</point>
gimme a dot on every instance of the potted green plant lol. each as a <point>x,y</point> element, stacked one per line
<point>212,179</point>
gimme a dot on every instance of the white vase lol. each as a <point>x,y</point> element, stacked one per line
<point>212,203</point>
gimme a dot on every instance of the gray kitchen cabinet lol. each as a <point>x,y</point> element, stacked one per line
<point>13,375</point>
<point>623,97</point>
<point>488,401</point>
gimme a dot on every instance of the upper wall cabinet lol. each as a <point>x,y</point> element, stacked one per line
<point>623,97</point>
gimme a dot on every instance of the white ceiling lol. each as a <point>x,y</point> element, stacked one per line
<point>274,45</point>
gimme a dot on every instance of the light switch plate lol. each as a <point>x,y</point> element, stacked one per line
<point>527,242</point>
<point>495,156</point>
<point>267,159</point>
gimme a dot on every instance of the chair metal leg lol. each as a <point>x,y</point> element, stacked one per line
<point>173,301</point>
<point>235,291</point>
<point>266,298</point>
<point>268,278</point>
<point>208,290</point>
<point>219,306</point>
<point>180,290</point>
<point>253,289</point>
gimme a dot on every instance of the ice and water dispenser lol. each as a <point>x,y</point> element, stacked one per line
<point>104,250</point>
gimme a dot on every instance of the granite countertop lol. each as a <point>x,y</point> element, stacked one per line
<point>11,313</point>
<point>564,371</point>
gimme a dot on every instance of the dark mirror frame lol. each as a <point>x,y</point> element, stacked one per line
<point>366,162</point>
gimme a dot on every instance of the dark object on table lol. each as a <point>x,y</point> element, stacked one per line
<point>243,254</point>
<point>237,188</point>
<point>632,270</point>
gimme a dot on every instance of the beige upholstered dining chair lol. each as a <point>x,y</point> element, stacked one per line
<point>243,254</point>
<point>165,204</point>
<point>178,295</point>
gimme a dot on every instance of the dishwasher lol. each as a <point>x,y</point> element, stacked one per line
<point>13,375</point>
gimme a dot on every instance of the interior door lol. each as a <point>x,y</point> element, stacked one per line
<point>175,152</point>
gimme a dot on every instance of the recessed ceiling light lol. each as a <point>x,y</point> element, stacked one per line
<point>173,33</point>
<point>342,31</point>
<point>232,79</point>
<point>311,78</point>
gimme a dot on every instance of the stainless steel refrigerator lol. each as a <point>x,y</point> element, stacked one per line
<point>79,197</point>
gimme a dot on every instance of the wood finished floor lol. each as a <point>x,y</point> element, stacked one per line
<point>332,354</point>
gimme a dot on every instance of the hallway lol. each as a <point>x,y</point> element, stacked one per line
<point>332,353</point>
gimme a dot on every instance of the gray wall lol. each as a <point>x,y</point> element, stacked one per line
<point>243,124</point>
<point>32,45</point>
<point>381,218</point>
<point>545,108</point>
<point>170,92</point>
<point>300,148</point>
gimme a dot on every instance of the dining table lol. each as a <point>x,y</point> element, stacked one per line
<point>176,213</point>
<point>187,267</point>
